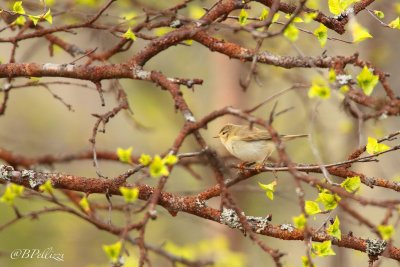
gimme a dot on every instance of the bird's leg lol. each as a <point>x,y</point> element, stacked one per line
<point>259,167</point>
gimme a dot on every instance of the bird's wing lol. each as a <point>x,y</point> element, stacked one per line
<point>256,136</point>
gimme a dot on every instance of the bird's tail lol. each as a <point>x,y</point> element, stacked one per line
<point>293,136</point>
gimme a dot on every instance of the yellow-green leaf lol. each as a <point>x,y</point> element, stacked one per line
<point>319,88</point>
<point>12,191</point>
<point>328,199</point>
<point>334,229</point>
<point>395,24</point>
<point>291,32</point>
<point>157,168</point>
<point>322,34</point>
<point>344,89</point>
<point>124,155</point>
<point>366,80</point>
<point>358,32</point>
<point>332,75</point>
<point>188,42</point>
<point>48,17</point>
<point>243,17</point>
<point>334,7</point>
<point>305,262</point>
<point>35,19</point>
<point>18,8</point>
<point>379,14</point>
<point>311,207</point>
<point>308,17</point>
<point>322,249</point>
<point>162,31</point>
<point>47,187</point>
<point>374,147</point>
<point>20,20</point>
<point>386,231</point>
<point>296,19</point>
<point>113,251</point>
<point>264,15</point>
<point>84,203</point>
<point>129,15</point>
<point>196,12</point>
<point>351,184</point>
<point>170,159</point>
<point>337,7</point>
<point>269,189</point>
<point>129,34</point>
<point>145,159</point>
<point>130,194</point>
<point>299,221</point>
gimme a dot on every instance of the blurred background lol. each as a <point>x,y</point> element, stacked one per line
<point>35,124</point>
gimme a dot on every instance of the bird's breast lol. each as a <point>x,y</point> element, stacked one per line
<point>250,151</point>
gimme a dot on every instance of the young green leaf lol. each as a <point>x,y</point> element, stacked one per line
<point>269,189</point>
<point>113,251</point>
<point>311,207</point>
<point>334,229</point>
<point>309,17</point>
<point>157,167</point>
<point>35,19</point>
<point>322,34</point>
<point>319,88</point>
<point>18,8</point>
<point>328,199</point>
<point>188,42</point>
<point>344,89</point>
<point>322,249</point>
<point>358,32</point>
<point>305,262</point>
<point>379,14</point>
<point>47,187</point>
<point>243,17</point>
<point>162,31</point>
<point>196,12</point>
<point>130,15</point>
<point>48,17</point>
<point>170,159</point>
<point>386,231</point>
<point>130,194</point>
<point>84,203</point>
<point>374,147</point>
<point>124,155</point>
<point>337,7</point>
<point>264,15</point>
<point>366,80</point>
<point>291,32</point>
<point>129,34</point>
<point>295,20</point>
<point>20,21</point>
<point>351,184</point>
<point>334,7</point>
<point>299,221</point>
<point>12,191</point>
<point>395,24</point>
<point>331,76</point>
<point>145,159</point>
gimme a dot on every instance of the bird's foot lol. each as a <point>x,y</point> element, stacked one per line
<point>259,166</point>
<point>242,166</point>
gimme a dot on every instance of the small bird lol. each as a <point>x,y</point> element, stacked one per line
<point>250,145</point>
